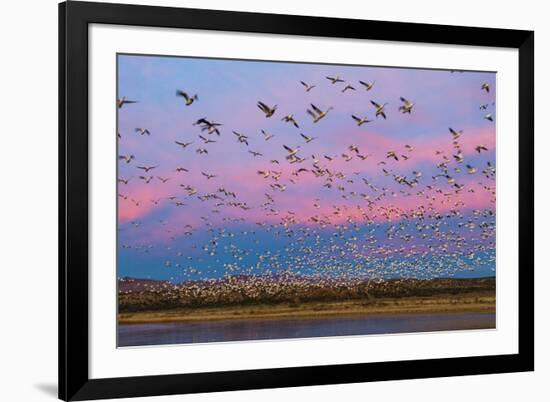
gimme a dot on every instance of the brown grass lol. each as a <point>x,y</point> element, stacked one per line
<point>481,301</point>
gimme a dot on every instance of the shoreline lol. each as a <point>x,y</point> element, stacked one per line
<point>474,303</point>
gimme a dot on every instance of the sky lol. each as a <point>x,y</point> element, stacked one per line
<point>343,207</point>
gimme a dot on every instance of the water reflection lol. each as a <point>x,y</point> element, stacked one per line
<point>256,329</point>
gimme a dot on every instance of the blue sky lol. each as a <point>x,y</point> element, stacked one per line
<point>160,239</point>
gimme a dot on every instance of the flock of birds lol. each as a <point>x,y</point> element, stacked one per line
<point>367,235</point>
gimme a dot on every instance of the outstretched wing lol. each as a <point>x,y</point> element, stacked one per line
<point>181,93</point>
<point>317,110</point>
<point>202,120</point>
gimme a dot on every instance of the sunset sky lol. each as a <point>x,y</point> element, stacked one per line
<point>214,236</point>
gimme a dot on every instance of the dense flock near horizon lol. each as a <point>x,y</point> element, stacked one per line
<point>316,209</point>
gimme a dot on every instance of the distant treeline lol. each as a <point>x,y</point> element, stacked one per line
<point>146,295</point>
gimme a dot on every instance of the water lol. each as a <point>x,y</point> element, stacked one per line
<point>256,329</point>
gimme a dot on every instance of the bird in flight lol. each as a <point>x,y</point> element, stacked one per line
<point>392,154</point>
<point>406,107</point>
<point>241,138</point>
<point>124,181</point>
<point>142,131</point>
<point>307,87</point>
<point>455,133</point>
<point>334,80</point>
<point>360,120</point>
<point>317,113</point>
<point>146,179</point>
<point>367,86</point>
<point>290,119</point>
<point>308,139</point>
<point>379,109</point>
<point>184,144</point>
<point>489,117</point>
<point>347,157</point>
<point>351,88</point>
<point>210,126</point>
<point>268,111</point>
<point>208,176</point>
<point>254,153</point>
<point>291,152</point>
<point>485,87</point>
<point>267,136</point>
<point>480,148</point>
<point>147,168</point>
<point>126,158</point>
<point>206,140</point>
<point>123,101</point>
<point>188,99</point>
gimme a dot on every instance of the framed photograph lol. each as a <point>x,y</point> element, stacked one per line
<point>258,201</point>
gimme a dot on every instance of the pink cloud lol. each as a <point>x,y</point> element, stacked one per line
<point>249,186</point>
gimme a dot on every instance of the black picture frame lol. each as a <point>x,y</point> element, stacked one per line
<point>74,18</point>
